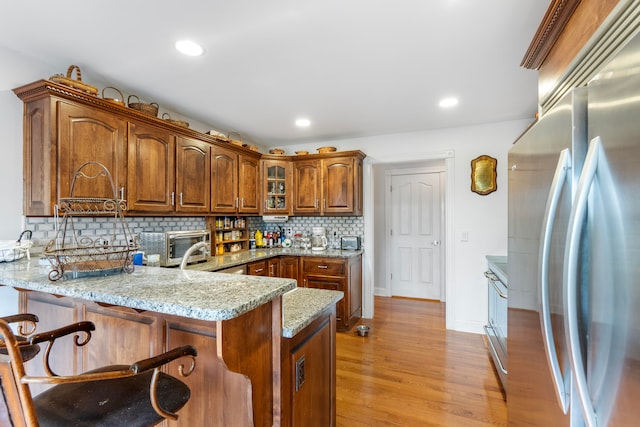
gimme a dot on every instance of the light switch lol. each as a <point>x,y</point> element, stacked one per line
<point>464,236</point>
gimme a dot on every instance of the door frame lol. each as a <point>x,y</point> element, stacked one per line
<point>369,244</point>
<point>389,174</point>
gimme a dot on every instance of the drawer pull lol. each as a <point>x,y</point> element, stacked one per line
<point>324,267</point>
<point>259,270</point>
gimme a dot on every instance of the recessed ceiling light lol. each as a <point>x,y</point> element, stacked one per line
<point>303,123</point>
<point>448,102</point>
<point>189,47</point>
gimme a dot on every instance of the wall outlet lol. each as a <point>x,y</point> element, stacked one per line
<point>288,231</point>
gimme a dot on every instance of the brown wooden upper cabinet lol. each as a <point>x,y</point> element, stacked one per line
<point>277,191</point>
<point>234,182</point>
<point>330,185</point>
<point>167,173</point>
<point>162,168</point>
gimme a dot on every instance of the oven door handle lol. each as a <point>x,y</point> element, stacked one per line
<point>493,350</point>
<point>497,288</point>
<point>559,179</point>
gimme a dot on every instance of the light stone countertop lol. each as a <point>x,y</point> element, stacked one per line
<point>498,264</point>
<point>302,305</point>
<point>221,262</point>
<point>192,294</point>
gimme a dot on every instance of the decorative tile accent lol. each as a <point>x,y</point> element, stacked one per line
<point>44,229</point>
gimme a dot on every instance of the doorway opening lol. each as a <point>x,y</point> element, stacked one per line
<point>377,240</point>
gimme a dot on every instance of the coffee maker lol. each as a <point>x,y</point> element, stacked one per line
<point>318,239</point>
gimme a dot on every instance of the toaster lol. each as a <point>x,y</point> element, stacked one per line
<point>350,243</point>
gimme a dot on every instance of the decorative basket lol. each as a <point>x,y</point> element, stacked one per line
<point>175,122</point>
<point>150,109</point>
<point>119,101</point>
<point>218,135</point>
<point>276,151</point>
<point>250,147</point>
<point>302,153</point>
<point>235,141</point>
<point>323,150</point>
<point>75,84</point>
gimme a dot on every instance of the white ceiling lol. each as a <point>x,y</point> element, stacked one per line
<point>353,67</point>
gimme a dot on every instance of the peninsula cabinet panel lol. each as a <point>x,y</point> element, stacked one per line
<point>307,184</point>
<point>52,312</point>
<point>122,335</point>
<point>308,374</point>
<point>193,176</point>
<point>151,176</point>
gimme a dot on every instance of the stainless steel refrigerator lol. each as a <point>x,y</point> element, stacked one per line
<point>574,257</point>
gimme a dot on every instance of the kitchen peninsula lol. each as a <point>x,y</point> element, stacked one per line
<point>250,333</point>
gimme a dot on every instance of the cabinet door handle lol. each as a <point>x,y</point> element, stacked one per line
<point>236,203</point>
<point>243,202</point>
<point>325,203</point>
<point>122,193</point>
<point>181,199</point>
<point>316,205</point>
<point>173,198</point>
<point>265,204</point>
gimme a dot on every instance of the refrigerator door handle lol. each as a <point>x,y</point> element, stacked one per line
<point>572,250</point>
<point>559,180</point>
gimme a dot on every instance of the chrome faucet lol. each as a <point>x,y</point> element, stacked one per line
<point>198,246</point>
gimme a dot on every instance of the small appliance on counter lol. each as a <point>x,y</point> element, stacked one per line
<point>172,245</point>
<point>319,240</point>
<point>350,243</point>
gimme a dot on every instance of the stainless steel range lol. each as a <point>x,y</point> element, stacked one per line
<point>496,328</point>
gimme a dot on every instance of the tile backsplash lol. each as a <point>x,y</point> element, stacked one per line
<point>44,228</point>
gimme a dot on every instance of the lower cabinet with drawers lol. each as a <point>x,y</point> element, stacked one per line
<point>336,274</point>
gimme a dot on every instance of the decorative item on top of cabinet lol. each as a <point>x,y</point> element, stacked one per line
<point>228,233</point>
<point>337,274</point>
<point>76,83</point>
<point>277,189</point>
<point>234,178</point>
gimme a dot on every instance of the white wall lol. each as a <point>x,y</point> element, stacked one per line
<point>16,70</point>
<point>483,217</point>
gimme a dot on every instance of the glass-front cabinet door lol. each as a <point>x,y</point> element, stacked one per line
<point>277,187</point>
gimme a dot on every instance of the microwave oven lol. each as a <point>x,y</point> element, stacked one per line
<point>172,245</point>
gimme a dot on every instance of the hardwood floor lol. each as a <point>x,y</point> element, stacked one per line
<point>411,371</point>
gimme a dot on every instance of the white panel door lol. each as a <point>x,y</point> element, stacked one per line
<point>415,236</point>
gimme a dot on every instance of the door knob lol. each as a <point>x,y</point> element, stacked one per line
<point>435,242</point>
